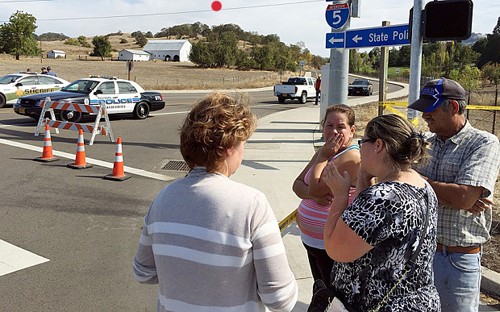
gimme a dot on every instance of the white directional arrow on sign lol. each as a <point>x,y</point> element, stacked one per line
<point>336,40</point>
<point>357,38</point>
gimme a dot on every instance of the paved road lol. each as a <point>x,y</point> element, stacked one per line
<point>86,226</point>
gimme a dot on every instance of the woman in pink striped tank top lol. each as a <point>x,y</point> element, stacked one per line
<point>338,133</point>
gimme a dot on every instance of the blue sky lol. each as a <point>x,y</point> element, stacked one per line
<point>292,20</point>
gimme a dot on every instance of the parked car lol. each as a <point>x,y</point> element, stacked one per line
<point>300,88</point>
<point>360,86</point>
<point>120,96</point>
<point>15,85</point>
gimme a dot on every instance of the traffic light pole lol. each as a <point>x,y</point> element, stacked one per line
<point>416,57</point>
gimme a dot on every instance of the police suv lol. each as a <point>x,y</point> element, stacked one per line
<point>119,95</point>
<point>23,83</point>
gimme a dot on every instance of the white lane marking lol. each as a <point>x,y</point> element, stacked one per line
<point>13,258</point>
<point>172,113</point>
<point>93,161</point>
<point>16,125</point>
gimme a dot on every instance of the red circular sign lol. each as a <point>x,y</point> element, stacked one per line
<point>216,6</point>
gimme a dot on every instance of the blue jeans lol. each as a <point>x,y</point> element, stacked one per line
<point>457,277</point>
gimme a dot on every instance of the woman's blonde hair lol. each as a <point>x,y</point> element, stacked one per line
<point>403,143</point>
<point>215,124</point>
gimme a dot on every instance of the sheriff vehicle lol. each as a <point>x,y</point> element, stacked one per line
<point>120,96</point>
<point>24,83</point>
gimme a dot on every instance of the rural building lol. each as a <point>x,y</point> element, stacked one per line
<point>56,54</point>
<point>169,50</point>
<point>133,55</point>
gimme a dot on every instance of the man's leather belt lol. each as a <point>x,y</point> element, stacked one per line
<point>460,249</point>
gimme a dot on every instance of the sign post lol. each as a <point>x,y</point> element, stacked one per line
<point>338,17</point>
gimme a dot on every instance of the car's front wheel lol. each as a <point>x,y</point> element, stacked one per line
<point>2,101</point>
<point>141,110</point>
<point>71,116</point>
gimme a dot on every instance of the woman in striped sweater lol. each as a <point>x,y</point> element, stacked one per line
<point>338,133</point>
<point>213,244</point>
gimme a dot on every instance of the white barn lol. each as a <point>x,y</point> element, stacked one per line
<point>169,50</point>
<point>133,55</point>
<point>56,54</point>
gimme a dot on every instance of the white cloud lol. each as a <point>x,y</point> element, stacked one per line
<point>298,20</point>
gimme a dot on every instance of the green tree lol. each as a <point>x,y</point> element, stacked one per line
<point>141,39</point>
<point>102,47</point>
<point>201,55</point>
<point>491,71</point>
<point>468,76</point>
<point>17,37</point>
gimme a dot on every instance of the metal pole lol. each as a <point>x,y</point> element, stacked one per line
<point>338,81</point>
<point>416,57</point>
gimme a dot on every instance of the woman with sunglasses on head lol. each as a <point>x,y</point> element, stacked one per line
<point>338,133</point>
<point>383,243</point>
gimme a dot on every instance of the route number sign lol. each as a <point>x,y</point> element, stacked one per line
<point>337,15</point>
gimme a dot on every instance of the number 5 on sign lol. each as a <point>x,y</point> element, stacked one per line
<point>337,15</point>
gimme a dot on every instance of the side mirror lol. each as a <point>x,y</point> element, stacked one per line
<point>97,92</point>
<point>19,84</point>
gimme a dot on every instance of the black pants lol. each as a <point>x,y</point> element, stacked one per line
<point>318,93</point>
<point>321,264</point>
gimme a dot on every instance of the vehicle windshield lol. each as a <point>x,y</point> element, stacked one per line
<point>297,81</point>
<point>81,86</point>
<point>360,82</point>
<point>9,79</point>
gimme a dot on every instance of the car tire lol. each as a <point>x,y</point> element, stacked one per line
<point>303,98</point>
<point>3,101</point>
<point>71,116</point>
<point>141,110</point>
<point>281,99</point>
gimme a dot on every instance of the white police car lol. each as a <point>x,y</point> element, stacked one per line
<point>119,95</point>
<point>15,85</point>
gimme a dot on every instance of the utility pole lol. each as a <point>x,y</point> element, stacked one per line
<point>416,57</point>
<point>382,82</point>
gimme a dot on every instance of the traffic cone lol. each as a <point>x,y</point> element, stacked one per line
<point>80,162</point>
<point>118,173</point>
<point>47,147</point>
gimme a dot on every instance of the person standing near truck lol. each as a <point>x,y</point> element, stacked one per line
<point>317,86</point>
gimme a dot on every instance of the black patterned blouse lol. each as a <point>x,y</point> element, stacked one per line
<point>390,217</point>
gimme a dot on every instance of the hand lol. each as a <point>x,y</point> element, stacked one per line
<point>482,204</point>
<point>332,146</point>
<point>323,200</point>
<point>338,184</point>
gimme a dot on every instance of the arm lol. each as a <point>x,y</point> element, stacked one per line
<point>456,195</point>
<point>328,150</point>
<point>276,284</point>
<point>301,189</point>
<point>341,243</point>
<point>144,262</point>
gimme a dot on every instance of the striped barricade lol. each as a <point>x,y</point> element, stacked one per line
<point>98,110</point>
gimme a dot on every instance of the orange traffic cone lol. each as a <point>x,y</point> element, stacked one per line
<point>118,173</point>
<point>47,147</point>
<point>80,162</point>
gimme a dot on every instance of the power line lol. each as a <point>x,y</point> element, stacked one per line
<point>173,13</point>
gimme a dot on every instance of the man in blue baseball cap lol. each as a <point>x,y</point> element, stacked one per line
<point>462,170</point>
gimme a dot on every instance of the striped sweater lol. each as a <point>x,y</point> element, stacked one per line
<point>213,244</point>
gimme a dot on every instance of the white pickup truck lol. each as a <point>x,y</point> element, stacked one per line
<point>300,88</point>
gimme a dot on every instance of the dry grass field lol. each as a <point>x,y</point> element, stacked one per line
<point>153,75</point>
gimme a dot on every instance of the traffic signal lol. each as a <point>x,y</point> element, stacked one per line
<point>447,20</point>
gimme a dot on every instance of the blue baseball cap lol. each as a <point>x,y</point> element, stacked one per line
<point>435,92</point>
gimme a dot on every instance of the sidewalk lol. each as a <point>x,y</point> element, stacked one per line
<point>277,152</point>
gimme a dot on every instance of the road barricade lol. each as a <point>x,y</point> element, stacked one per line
<point>100,111</point>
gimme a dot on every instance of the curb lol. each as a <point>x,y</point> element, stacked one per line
<point>490,281</point>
